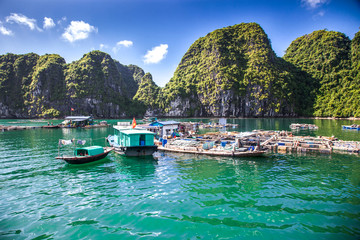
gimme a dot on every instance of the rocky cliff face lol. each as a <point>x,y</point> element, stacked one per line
<point>33,86</point>
<point>132,76</point>
<point>15,78</point>
<point>45,95</point>
<point>95,86</point>
<point>232,72</point>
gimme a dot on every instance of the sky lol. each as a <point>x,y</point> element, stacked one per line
<point>155,34</point>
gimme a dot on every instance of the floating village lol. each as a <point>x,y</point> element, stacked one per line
<point>151,135</point>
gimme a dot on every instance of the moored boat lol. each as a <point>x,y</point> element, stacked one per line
<point>87,154</point>
<point>51,126</point>
<point>303,126</point>
<point>351,127</point>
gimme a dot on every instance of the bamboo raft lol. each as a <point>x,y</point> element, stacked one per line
<point>11,128</point>
<point>198,147</point>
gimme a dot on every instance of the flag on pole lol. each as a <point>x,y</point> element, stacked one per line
<point>134,123</point>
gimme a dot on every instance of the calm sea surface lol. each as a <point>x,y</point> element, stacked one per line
<point>174,196</point>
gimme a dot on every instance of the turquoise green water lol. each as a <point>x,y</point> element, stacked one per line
<point>176,196</point>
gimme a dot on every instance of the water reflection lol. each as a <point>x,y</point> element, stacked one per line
<point>135,167</point>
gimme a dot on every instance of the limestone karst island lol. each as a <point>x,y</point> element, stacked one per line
<point>230,72</point>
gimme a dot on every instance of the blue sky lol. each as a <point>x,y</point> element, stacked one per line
<point>155,34</point>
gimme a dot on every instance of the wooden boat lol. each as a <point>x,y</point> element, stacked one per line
<point>303,126</point>
<point>51,126</point>
<point>132,142</point>
<point>193,147</point>
<point>87,154</point>
<point>351,127</point>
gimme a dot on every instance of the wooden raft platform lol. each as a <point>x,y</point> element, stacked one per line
<point>214,152</point>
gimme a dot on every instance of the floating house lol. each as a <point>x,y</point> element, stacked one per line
<point>166,128</point>
<point>77,121</point>
<point>132,141</point>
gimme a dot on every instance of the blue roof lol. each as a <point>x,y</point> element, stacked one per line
<point>164,123</point>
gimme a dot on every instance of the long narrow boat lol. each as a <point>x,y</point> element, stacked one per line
<point>87,154</point>
<point>51,126</point>
<point>351,127</point>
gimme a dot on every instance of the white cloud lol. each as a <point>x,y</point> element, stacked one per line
<point>78,30</point>
<point>63,19</point>
<point>103,46</point>
<point>156,54</point>
<point>48,23</point>
<point>321,13</point>
<point>125,43</point>
<point>23,20</point>
<point>314,3</point>
<point>4,30</point>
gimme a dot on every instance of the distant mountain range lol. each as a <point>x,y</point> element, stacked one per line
<point>231,72</point>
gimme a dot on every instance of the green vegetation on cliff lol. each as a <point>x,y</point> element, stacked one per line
<point>236,67</point>
<point>93,76</point>
<point>148,92</point>
<point>326,56</point>
<point>15,78</point>
<point>132,76</point>
<point>45,86</point>
<point>46,91</point>
<point>95,80</point>
<point>231,71</point>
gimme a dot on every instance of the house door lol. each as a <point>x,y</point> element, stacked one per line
<point>142,140</point>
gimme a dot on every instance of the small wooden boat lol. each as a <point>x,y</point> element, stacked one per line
<point>51,126</point>
<point>351,127</point>
<point>87,154</point>
<point>303,126</point>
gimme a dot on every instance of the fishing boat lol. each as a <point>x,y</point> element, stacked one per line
<point>132,141</point>
<point>87,154</point>
<point>51,126</point>
<point>209,148</point>
<point>303,126</point>
<point>351,127</point>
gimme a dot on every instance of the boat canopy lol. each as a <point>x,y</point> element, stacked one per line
<point>78,118</point>
<point>93,150</point>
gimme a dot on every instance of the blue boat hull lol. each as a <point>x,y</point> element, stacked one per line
<point>350,128</point>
